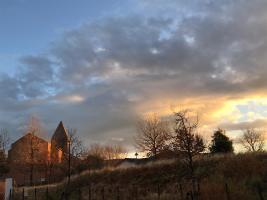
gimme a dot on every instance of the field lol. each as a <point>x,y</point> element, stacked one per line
<point>228,177</point>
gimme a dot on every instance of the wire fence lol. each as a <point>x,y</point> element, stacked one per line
<point>177,191</point>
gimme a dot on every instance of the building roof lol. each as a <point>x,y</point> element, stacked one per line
<point>27,136</point>
<point>60,137</point>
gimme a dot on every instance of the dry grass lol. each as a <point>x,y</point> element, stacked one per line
<point>243,174</point>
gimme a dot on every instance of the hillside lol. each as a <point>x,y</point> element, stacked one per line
<point>242,176</point>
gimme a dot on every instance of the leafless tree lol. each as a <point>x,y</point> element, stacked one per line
<point>32,153</point>
<point>4,140</point>
<point>252,140</point>
<point>77,148</point>
<point>34,126</point>
<point>96,150</point>
<point>114,152</point>
<point>186,139</point>
<point>107,152</point>
<point>152,135</point>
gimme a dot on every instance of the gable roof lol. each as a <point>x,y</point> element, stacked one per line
<point>27,136</point>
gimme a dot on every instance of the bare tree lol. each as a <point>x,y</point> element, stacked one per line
<point>252,140</point>
<point>77,148</point>
<point>152,135</point>
<point>34,126</point>
<point>114,152</point>
<point>107,152</point>
<point>4,140</point>
<point>186,140</point>
<point>33,152</point>
<point>96,150</point>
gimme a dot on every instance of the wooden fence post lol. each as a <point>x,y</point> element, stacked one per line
<point>80,194</point>
<point>227,192</point>
<point>136,193</point>
<point>35,194</point>
<point>158,191</point>
<point>23,194</point>
<point>181,191</point>
<point>260,192</point>
<point>118,193</point>
<point>198,189</point>
<point>46,193</point>
<point>103,193</point>
<point>89,192</point>
<point>10,194</point>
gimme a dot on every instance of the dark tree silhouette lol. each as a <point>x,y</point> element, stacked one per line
<point>152,135</point>
<point>221,143</point>
<point>187,141</point>
<point>252,140</point>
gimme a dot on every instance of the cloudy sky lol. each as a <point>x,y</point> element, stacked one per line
<point>99,64</point>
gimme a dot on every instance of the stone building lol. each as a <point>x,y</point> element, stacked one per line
<point>30,158</point>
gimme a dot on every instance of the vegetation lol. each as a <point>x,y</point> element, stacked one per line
<point>252,140</point>
<point>217,179</point>
<point>221,143</point>
<point>152,135</point>
<point>186,140</point>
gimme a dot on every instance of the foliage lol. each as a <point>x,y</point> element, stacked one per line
<point>221,143</point>
<point>186,139</point>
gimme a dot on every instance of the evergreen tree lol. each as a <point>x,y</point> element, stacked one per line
<point>221,143</point>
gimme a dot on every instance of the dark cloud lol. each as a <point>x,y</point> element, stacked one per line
<point>101,72</point>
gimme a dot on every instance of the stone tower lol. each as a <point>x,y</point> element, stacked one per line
<point>59,144</point>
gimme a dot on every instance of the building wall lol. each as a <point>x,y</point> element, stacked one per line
<point>31,150</point>
<point>25,152</point>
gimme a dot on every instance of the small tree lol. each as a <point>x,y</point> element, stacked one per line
<point>31,154</point>
<point>4,140</point>
<point>187,141</point>
<point>77,148</point>
<point>152,135</point>
<point>107,152</point>
<point>252,140</point>
<point>221,143</point>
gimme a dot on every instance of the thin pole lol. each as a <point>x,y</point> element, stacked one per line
<point>46,193</point>
<point>69,162</point>
<point>23,194</point>
<point>90,192</point>
<point>35,194</point>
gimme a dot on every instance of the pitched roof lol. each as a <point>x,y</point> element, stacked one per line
<point>60,137</point>
<point>61,130</point>
<point>27,136</point>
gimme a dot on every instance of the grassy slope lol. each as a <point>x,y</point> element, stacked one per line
<point>243,174</point>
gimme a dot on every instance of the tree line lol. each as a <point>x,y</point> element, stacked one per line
<point>179,134</point>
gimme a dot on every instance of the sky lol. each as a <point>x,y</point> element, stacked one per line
<point>100,65</point>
